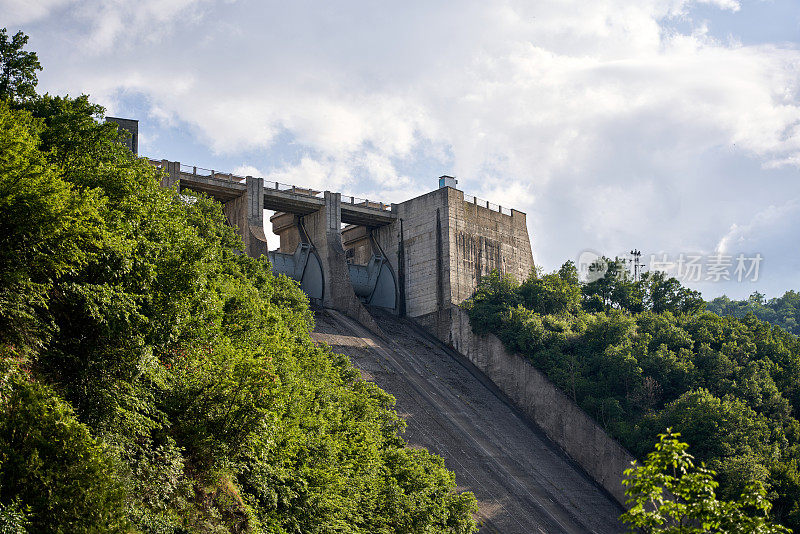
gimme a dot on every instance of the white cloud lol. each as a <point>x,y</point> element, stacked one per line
<point>596,118</point>
<point>248,170</point>
<point>772,222</point>
<point>148,20</point>
<point>23,11</point>
<point>731,5</point>
<point>326,175</point>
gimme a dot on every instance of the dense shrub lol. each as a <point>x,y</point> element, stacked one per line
<point>642,356</point>
<point>156,379</point>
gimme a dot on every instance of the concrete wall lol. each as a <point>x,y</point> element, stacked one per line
<point>561,419</point>
<point>236,212</point>
<point>246,214</point>
<point>420,261</point>
<point>481,240</point>
<point>357,244</point>
<point>129,129</point>
<point>324,231</point>
<point>284,225</point>
<point>448,244</point>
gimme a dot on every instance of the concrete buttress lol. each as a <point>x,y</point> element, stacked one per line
<point>324,228</point>
<point>246,213</point>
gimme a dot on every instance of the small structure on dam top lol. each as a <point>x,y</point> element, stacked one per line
<point>416,258</point>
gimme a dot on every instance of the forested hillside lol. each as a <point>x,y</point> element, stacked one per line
<point>153,378</point>
<point>644,356</point>
<point>781,311</point>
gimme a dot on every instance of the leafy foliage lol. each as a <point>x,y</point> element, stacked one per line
<point>156,379</point>
<point>17,68</point>
<point>781,311</point>
<point>670,494</point>
<point>641,356</point>
<point>50,462</point>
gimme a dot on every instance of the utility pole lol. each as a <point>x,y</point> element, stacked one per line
<point>637,266</point>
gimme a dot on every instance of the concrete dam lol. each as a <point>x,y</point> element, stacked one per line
<point>386,281</point>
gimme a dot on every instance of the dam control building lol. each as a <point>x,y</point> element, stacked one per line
<point>416,258</point>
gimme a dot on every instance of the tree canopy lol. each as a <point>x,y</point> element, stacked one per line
<point>782,311</point>
<point>670,494</point>
<point>17,68</point>
<point>642,356</point>
<point>155,379</point>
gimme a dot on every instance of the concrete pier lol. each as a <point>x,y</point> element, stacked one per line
<point>433,248</point>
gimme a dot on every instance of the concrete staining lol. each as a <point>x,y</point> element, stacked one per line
<point>448,244</point>
<point>432,251</point>
<point>557,415</point>
<point>524,484</point>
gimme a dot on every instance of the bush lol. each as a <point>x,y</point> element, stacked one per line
<point>640,356</point>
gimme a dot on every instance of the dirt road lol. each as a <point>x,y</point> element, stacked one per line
<point>524,484</point>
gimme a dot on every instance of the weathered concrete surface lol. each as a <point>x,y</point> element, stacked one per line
<point>422,264</point>
<point>523,482</point>
<point>284,225</point>
<point>357,244</point>
<point>246,214</point>
<point>481,240</point>
<point>561,419</point>
<point>448,244</point>
<point>324,228</point>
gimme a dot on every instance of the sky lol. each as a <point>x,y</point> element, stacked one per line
<point>671,127</point>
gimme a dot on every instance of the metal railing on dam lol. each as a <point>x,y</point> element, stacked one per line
<point>281,197</point>
<point>471,199</point>
<point>297,199</point>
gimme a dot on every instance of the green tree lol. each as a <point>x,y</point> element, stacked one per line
<point>555,293</point>
<point>640,356</point>
<point>17,68</point>
<point>495,295</point>
<point>666,294</point>
<point>612,289</point>
<point>668,493</point>
<point>47,228</point>
<point>179,372</point>
<point>50,462</point>
<point>783,311</point>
